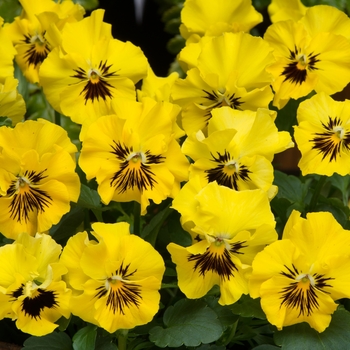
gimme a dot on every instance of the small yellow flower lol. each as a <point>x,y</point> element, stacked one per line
<point>37,177</point>
<point>229,228</point>
<point>299,278</point>
<point>230,71</point>
<point>238,150</point>
<point>91,69</point>
<point>323,136</point>
<point>134,154</point>
<point>31,289</point>
<point>29,31</point>
<point>310,56</point>
<point>116,278</point>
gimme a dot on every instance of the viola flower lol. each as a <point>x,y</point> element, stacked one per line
<point>37,177</point>
<point>134,154</point>
<point>280,10</point>
<point>308,58</point>
<point>206,18</point>
<point>238,150</point>
<point>231,228</point>
<point>323,136</point>
<point>300,277</point>
<point>29,31</point>
<point>31,289</point>
<point>116,278</point>
<point>91,69</point>
<point>12,104</point>
<point>230,72</point>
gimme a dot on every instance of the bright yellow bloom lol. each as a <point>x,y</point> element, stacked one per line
<point>230,228</point>
<point>12,104</point>
<point>31,289</point>
<point>29,31</point>
<point>309,56</point>
<point>281,10</point>
<point>230,71</point>
<point>134,154</point>
<point>37,177</point>
<point>323,136</point>
<point>116,279</point>
<point>206,17</point>
<point>238,150</point>
<point>91,69</point>
<point>299,278</point>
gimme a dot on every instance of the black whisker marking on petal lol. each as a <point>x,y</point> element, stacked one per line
<point>303,297</point>
<point>33,306</point>
<point>221,264</point>
<point>26,197</point>
<point>124,295</point>
<point>293,73</point>
<point>37,52</point>
<point>219,101</point>
<point>129,177</point>
<point>96,86</point>
<point>325,142</point>
<point>224,178</point>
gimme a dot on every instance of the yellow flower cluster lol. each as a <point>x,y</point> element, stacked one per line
<point>206,140</point>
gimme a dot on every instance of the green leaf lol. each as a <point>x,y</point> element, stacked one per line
<point>89,198</point>
<point>52,341</point>
<point>188,322</point>
<point>150,232</point>
<point>68,224</point>
<point>63,323</point>
<point>342,183</point>
<point>248,307</point>
<point>224,314</point>
<point>9,9</point>
<point>85,338</point>
<point>88,4</point>
<point>211,347</point>
<point>266,347</point>
<point>4,121</point>
<point>302,336</point>
<point>287,116</point>
<point>290,187</point>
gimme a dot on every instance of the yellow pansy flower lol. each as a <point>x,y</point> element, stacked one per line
<point>230,227</point>
<point>37,177</point>
<point>134,154</point>
<point>116,278</point>
<point>31,289</point>
<point>91,69</point>
<point>230,71</point>
<point>299,277</point>
<point>323,136</point>
<point>29,31</point>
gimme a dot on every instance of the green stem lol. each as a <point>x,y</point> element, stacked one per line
<point>317,192</point>
<point>57,118</point>
<point>137,218</point>
<point>122,338</point>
